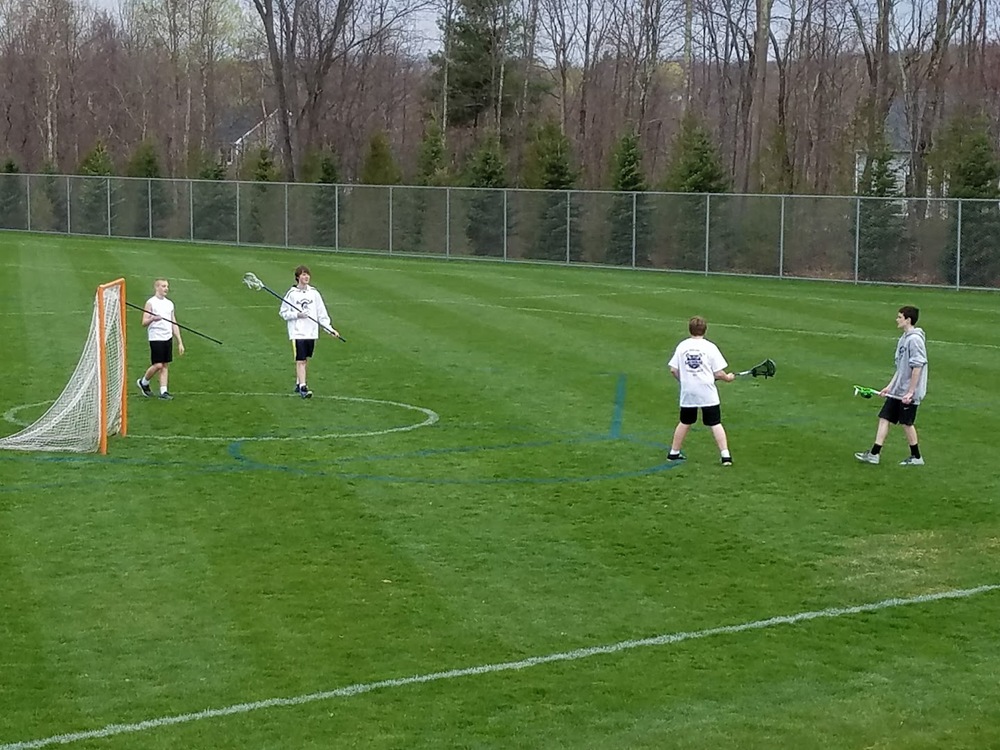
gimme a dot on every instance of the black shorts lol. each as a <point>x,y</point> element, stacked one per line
<point>710,415</point>
<point>161,352</point>
<point>896,412</point>
<point>304,349</point>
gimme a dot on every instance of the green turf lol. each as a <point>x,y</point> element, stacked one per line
<point>224,553</point>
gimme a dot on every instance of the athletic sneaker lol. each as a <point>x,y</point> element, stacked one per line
<point>679,457</point>
<point>146,390</point>
<point>166,396</point>
<point>305,392</point>
<point>727,460</point>
<point>868,457</point>
<point>911,461</point>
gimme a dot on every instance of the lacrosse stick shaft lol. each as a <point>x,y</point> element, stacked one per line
<point>174,322</point>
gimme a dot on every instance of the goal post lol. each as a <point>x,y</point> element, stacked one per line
<point>94,402</point>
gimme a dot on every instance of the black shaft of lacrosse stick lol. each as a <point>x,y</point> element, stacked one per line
<point>266,288</point>
<point>174,322</point>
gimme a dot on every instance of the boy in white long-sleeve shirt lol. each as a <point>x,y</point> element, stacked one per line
<point>302,308</point>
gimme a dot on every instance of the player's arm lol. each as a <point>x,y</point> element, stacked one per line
<point>723,375</point>
<point>286,311</point>
<point>323,316</point>
<point>177,335</point>
<point>148,317</point>
<point>676,373</point>
<point>915,373</point>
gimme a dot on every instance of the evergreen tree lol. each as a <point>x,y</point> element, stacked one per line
<point>478,44</point>
<point>380,167</point>
<point>629,182</point>
<point>13,197</point>
<point>549,168</point>
<point>694,167</point>
<point>415,202</point>
<point>262,211</point>
<point>486,227</point>
<point>146,195</point>
<point>96,193</point>
<point>882,226</point>
<point>973,173</point>
<point>325,205</point>
<point>54,187</point>
<point>214,205</point>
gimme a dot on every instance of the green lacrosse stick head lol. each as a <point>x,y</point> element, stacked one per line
<point>860,390</point>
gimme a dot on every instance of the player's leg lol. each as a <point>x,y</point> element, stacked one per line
<point>687,418</point>
<point>711,416</point>
<point>303,351</point>
<point>906,420</point>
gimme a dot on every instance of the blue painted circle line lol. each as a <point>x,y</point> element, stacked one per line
<point>430,417</point>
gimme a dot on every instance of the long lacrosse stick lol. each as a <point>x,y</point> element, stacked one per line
<point>256,284</point>
<point>860,390</point>
<point>765,369</point>
<point>174,322</point>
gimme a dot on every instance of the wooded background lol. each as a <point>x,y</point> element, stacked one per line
<point>785,96</point>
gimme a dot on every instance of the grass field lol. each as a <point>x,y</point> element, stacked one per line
<point>250,570</point>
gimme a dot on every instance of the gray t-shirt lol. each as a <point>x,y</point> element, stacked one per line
<point>911,351</point>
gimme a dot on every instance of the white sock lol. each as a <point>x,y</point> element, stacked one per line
<point>725,454</point>
<point>144,381</point>
<point>163,389</point>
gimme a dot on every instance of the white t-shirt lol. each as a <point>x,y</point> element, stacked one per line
<point>697,360</point>
<point>160,330</point>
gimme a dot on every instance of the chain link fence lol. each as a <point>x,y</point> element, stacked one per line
<point>893,240</point>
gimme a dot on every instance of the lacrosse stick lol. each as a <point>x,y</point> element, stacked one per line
<point>765,370</point>
<point>256,284</point>
<point>860,390</point>
<point>174,322</point>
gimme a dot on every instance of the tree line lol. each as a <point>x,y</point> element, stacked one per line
<point>786,94</point>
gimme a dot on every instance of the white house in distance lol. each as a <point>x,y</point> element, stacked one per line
<point>245,132</point>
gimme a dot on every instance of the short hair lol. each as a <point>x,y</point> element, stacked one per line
<point>697,326</point>
<point>158,279</point>
<point>301,270</point>
<point>910,312</point>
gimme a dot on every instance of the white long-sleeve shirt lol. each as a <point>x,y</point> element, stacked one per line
<point>310,301</point>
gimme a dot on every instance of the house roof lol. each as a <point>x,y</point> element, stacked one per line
<point>237,124</point>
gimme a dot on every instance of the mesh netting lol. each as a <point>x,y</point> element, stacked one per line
<point>73,422</point>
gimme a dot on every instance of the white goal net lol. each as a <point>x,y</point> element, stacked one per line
<point>93,404</point>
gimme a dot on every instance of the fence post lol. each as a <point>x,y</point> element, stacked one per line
<point>708,226</point>
<point>149,205</point>
<point>958,248</point>
<point>857,236</point>
<point>69,211</point>
<point>569,197</point>
<point>27,191</point>
<point>191,208</point>
<point>237,212</point>
<point>635,217</point>
<point>505,224</point>
<point>286,214</point>
<point>781,242</point>
<point>336,217</point>
<point>447,222</point>
<point>390,220</point>
<point>107,190</point>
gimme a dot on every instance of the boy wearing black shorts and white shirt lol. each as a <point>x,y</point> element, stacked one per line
<point>697,363</point>
<point>302,307</point>
<point>160,321</point>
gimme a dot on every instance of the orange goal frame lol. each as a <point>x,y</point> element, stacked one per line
<point>103,361</point>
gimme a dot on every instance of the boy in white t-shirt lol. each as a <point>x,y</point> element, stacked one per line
<point>160,321</point>
<point>697,363</point>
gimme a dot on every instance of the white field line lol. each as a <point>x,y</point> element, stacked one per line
<point>112,730</point>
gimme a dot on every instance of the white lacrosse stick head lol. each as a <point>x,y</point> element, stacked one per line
<point>253,282</point>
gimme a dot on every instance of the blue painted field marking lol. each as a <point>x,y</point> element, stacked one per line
<point>619,413</point>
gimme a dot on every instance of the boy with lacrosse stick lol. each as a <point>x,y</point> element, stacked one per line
<point>905,391</point>
<point>304,311</point>
<point>697,363</point>
<point>160,321</point>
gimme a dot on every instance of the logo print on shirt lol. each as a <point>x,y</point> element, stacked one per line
<point>693,360</point>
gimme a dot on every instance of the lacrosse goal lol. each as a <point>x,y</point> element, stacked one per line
<point>93,403</point>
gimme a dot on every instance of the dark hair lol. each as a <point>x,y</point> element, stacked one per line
<point>910,312</point>
<point>301,270</point>
<point>697,326</point>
